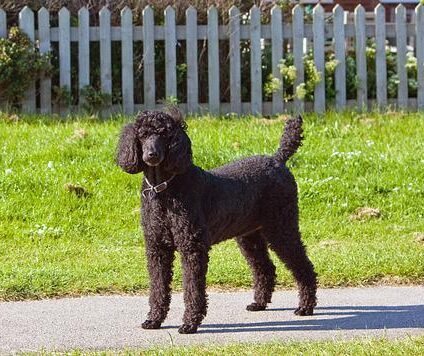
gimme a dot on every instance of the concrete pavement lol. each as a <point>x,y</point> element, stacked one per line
<point>113,322</point>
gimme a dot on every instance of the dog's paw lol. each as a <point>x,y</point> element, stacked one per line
<point>188,329</point>
<point>255,307</point>
<point>304,311</point>
<point>151,324</point>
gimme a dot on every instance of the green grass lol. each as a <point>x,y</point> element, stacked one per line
<point>407,346</point>
<point>55,243</point>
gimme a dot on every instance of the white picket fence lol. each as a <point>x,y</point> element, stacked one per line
<point>276,31</point>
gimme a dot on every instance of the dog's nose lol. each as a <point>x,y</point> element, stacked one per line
<point>153,154</point>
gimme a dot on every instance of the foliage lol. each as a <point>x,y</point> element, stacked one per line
<point>289,75</point>
<point>313,76</point>
<point>62,96</point>
<point>20,64</point>
<point>94,100</point>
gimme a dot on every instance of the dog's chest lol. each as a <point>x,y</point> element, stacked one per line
<point>166,212</point>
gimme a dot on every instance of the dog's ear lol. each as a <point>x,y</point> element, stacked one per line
<point>130,155</point>
<point>176,115</point>
<point>179,157</point>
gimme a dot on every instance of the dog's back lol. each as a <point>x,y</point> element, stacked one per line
<point>243,193</point>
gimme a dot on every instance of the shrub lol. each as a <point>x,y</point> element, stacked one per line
<point>19,61</point>
<point>94,100</point>
<point>313,76</point>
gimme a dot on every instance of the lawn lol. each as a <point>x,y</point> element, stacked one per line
<point>407,346</point>
<point>54,241</point>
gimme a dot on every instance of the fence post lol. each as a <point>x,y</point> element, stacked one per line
<point>3,24</point>
<point>361,60</point>
<point>235,67</point>
<point>149,58</point>
<point>83,52</point>
<point>3,34</point>
<point>64,54</point>
<point>105,53</point>
<point>277,56</point>
<point>340,56</point>
<point>401,56</point>
<point>127,61</point>
<point>170,54</point>
<point>380,56</point>
<point>44,39</point>
<point>192,67</point>
<point>319,57</point>
<point>419,29</point>
<point>255,61</point>
<point>26,24</point>
<point>213,61</point>
<point>298,54</point>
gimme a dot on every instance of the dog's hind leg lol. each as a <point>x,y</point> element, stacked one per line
<point>286,243</point>
<point>255,250</point>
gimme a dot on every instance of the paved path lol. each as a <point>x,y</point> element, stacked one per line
<point>113,322</point>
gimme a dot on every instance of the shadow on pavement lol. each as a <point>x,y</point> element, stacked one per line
<point>338,318</point>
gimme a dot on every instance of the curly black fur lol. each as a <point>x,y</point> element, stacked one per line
<point>253,200</point>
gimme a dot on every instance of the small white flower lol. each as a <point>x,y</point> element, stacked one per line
<point>50,165</point>
<point>8,171</point>
<point>369,143</point>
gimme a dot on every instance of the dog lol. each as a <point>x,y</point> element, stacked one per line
<point>188,209</point>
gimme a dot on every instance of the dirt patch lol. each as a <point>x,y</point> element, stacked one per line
<point>76,189</point>
<point>329,243</point>
<point>366,213</point>
<point>419,237</point>
<point>79,134</point>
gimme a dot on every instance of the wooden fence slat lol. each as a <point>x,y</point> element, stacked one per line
<point>149,58</point>
<point>26,24</point>
<point>3,34</point>
<point>340,56</point>
<point>3,24</point>
<point>235,67</point>
<point>255,61</point>
<point>419,15</point>
<point>45,47</point>
<point>319,59</point>
<point>380,56</point>
<point>277,56</point>
<point>213,61</point>
<point>105,51</point>
<point>361,61</point>
<point>83,51</point>
<point>127,61</point>
<point>64,54</point>
<point>192,67</point>
<point>400,14</point>
<point>170,53</point>
<point>298,36</point>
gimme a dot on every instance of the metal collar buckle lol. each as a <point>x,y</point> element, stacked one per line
<point>156,189</point>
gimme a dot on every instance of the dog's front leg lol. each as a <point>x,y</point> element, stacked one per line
<point>159,262</point>
<point>195,265</point>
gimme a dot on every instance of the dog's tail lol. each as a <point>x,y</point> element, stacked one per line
<point>291,139</point>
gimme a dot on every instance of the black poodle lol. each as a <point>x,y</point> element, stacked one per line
<point>187,209</point>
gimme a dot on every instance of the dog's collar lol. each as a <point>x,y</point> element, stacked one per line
<point>156,189</point>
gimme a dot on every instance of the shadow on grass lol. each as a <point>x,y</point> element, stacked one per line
<point>334,318</point>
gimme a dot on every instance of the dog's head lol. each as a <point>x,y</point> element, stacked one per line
<point>155,139</point>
